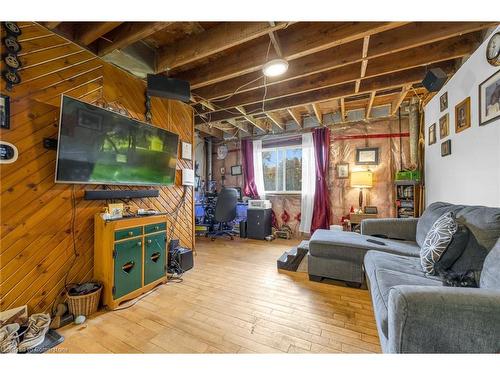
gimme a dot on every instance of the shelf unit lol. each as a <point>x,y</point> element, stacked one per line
<point>407,193</point>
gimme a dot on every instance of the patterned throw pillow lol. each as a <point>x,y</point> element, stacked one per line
<point>436,241</point>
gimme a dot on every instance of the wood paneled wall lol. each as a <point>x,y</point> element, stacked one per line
<point>36,243</point>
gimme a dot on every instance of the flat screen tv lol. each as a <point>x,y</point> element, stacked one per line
<point>98,146</point>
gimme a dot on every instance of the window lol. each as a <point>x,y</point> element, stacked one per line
<point>282,167</point>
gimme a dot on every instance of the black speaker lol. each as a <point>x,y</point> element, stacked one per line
<point>180,259</point>
<point>243,229</point>
<point>169,88</point>
<point>119,194</point>
<point>434,79</point>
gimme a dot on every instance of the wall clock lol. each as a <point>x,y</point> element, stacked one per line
<point>493,50</point>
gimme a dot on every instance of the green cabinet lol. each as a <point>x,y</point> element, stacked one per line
<point>127,233</point>
<point>127,267</point>
<point>154,257</point>
<point>151,228</point>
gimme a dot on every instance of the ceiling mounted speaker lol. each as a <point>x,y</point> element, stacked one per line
<point>169,88</point>
<point>434,79</point>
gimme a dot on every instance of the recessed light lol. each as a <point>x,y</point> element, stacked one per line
<point>275,67</point>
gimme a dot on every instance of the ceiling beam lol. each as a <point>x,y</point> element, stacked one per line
<point>343,113</point>
<point>388,81</point>
<point>295,115</point>
<point>370,104</point>
<point>212,41</point>
<point>420,56</point>
<point>318,113</point>
<point>127,34</point>
<point>395,106</point>
<point>88,32</point>
<point>339,56</point>
<point>301,39</point>
<point>276,120</point>
<point>251,119</point>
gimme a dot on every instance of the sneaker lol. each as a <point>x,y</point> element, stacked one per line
<point>35,334</point>
<point>9,339</point>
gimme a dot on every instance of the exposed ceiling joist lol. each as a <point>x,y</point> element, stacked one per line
<point>342,110</point>
<point>318,113</point>
<point>295,115</point>
<point>215,40</point>
<point>370,104</point>
<point>337,56</point>
<point>395,106</point>
<point>276,120</point>
<point>127,34</point>
<point>251,119</point>
<point>239,125</point>
<point>89,32</point>
<point>275,41</point>
<point>208,131</point>
<point>301,40</point>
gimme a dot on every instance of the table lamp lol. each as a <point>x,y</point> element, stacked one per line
<point>361,180</point>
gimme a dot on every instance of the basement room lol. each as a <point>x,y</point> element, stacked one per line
<point>201,181</point>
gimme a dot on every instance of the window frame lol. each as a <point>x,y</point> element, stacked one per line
<point>285,148</point>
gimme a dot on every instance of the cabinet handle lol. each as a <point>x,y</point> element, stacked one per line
<point>139,243</point>
<point>157,227</point>
<point>155,256</point>
<point>127,267</point>
<point>130,234</point>
<point>149,241</point>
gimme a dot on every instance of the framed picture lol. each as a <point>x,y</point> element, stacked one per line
<point>443,102</point>
<point>444,126</point>
<point>367,156</point>
<point>4,111</point>
<point>236,170</point>
<point>186,152</point>
<point>371,210</point>
<point>462,115</point>
<point>489,99</point>
<point>446,148</point>
<point>343,170</point>
<point>432,134</point>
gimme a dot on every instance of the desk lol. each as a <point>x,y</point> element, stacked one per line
<point>356,219</point>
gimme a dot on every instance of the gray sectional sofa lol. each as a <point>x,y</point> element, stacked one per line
<point>414,312</point>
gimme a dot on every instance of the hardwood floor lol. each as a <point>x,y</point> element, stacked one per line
<point>235,301</point>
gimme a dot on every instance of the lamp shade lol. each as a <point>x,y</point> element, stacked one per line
<point>362,179</point>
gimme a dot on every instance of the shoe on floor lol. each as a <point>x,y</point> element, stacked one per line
<point>9,339</point>
<point>35,334</point>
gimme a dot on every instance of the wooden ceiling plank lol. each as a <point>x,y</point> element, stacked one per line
<point>208,131</point>
<point>296,116</point>
<point>88,32</point>
<point>212,41</point>
<point>127,34</point>
<point>408,59</point>
<point>239,125</point>
<point>370,104</point>
<point>318,113</point>
<point>276,120</point>
<point>275,41</point>
<point>342,109</point>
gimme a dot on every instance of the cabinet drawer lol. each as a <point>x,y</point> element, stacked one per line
<point>151,228</point>
<point>127,233</point>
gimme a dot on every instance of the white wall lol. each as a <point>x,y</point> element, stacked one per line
<point>471,174</point>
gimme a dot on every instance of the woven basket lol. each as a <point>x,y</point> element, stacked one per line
<point>85,305</point>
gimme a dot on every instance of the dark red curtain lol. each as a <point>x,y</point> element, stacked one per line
<point>321,211</point>
<point>250,189</point>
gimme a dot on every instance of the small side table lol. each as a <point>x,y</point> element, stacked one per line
<point>356,219</point>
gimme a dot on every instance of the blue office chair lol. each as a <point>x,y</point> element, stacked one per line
<point>225,212</point>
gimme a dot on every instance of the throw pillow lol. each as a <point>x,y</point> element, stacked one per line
<point>437,240</point>
<point>454,250</point>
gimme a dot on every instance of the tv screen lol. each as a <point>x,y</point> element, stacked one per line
<point>98,146</point>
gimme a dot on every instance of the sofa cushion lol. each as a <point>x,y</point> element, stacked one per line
<point>436,241</point>
<point>351,246</point>
<point>430,215</point>
<point>454,250</point>
<point>490,276</point>
<point>387,270</point>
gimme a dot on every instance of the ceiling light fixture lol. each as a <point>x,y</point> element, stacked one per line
<point>275,67</point>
